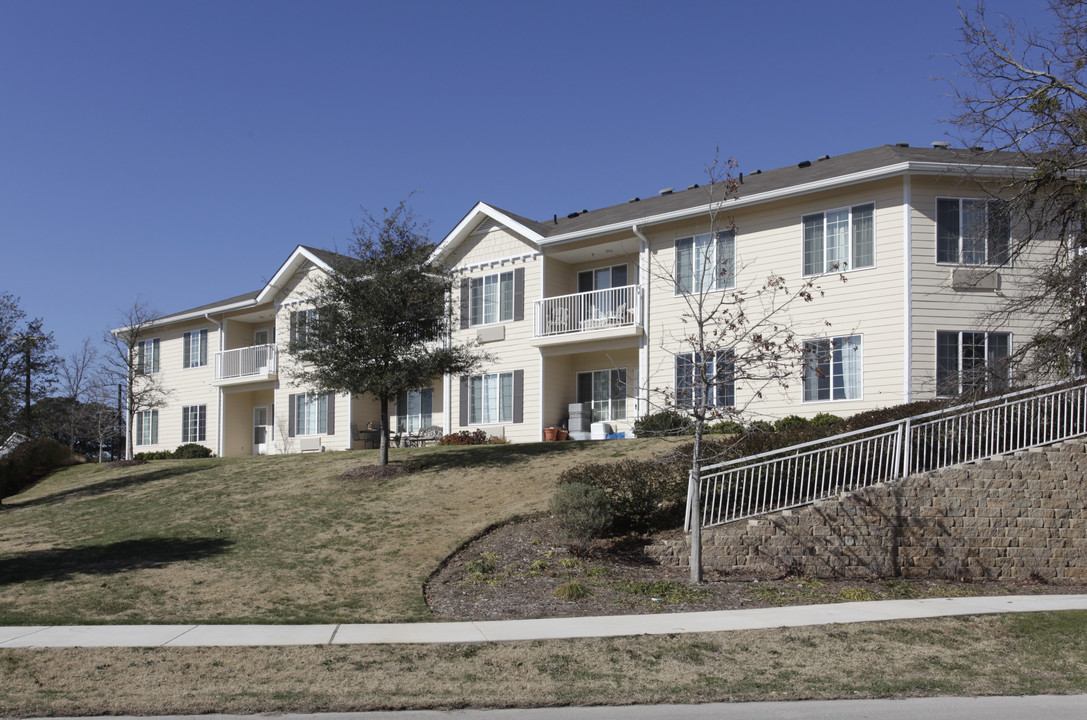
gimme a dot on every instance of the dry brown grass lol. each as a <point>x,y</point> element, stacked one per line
<point>277,540</point>
<point>1026,654</point>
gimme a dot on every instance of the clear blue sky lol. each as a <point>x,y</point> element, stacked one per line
<point>178,151</point>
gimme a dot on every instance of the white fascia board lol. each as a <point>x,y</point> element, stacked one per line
<point>887,171</point>
<point>477,213</point>
<point>289,268</point>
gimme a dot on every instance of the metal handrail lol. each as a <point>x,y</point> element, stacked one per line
<point>588,311</point>
<point>246,361</point>
<point>820,469</point>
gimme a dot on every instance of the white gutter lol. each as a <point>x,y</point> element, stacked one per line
<point>907,288</point>
<point>643,341</point>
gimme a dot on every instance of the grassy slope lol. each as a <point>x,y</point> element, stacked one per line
<point>263,539</point>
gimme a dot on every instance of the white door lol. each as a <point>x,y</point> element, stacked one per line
<point>262,430</point>
<point>260,359</point>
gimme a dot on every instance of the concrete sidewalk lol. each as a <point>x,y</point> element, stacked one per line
<point>506,630</point>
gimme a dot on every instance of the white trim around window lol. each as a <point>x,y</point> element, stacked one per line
<point>705,262</point>
<point>194,349</point>
<point>839,240</point>
<point>606,390</point>
<point>145,428</point>
<point>971,361</point>
<point>491,298</point>
<point>147,356</point>
<point>833,369</point>
<point>490,399</point>
<point>194,423</point>
<point>972,231</point>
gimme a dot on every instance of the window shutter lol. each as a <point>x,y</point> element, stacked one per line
<point>999,232</point>
<point>726,259</point>
<point>292,402</point>
<point>203,348</point>
<point>201,434</point>
<point>155,355</point>
<point>330,425</point>
<point>518,396</point>
<point>185,424</point>
<point>186,346</point>
<point>464,401</point>
<point>154,427</point>
<point>401,412</point>
<point>519,295</point>
<point>813,245</point>
<point>464,316</point>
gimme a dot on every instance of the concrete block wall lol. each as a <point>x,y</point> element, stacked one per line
<point>1017,517</point>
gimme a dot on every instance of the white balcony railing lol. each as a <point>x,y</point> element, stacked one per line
<point>821,469</point>
<point>255,360</point>
<point>588,311</point>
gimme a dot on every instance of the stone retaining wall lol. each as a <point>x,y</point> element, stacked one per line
<point>1021,517</point>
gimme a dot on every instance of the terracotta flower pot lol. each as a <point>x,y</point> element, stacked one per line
<point>550,433</point>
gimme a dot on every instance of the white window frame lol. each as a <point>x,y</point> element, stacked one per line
<point>299,332</point>
<point>722,389</point>
<point>194,424</point>
<point>612,407</point>
<point>491,298</point>
<point>959,375</point>
<point>837,362</point>
<point>987,250</point>
<point>414,419</point>
<point>697,265</point>
<point>842,257</point>
<point>311,414</point>
<point>490,399</point>
<point>197,340</point>
<point>145,430</point>
<point>148,350</point>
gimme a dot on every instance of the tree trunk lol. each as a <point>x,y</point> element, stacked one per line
<point>696,502</point>
<point>383,454</point>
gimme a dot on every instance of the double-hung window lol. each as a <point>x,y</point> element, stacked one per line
<point>301,328</point>
<point>491,298</point>
<point>147,356</point>
<point>839,240</point>
<point>194,423</point>
<point>606,390</point>
<point>146,427</point>
<point>310,414</point>
<point>832,369</point>
<point>969,362</point>
<point>490,399</point>
<point>705,379</point>
<point>705,262</point>
<point>194,349</point>
<point>972,232</point>
<point>414,410</point>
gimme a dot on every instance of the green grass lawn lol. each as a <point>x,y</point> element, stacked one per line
<point>280,539</point>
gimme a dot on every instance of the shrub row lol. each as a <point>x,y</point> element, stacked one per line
<point>188,451</point>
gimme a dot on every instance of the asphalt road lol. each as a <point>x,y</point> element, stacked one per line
<point>1049,707</point>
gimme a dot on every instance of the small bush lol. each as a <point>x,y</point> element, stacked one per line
<point>760,426</point>
<point>154,455</point>
<point>191,451</point>
<point>790,422</point>
<point>465,437</point>
<point>645,494</point>
<point>583,512</point>
<point>666,422</point>
<point>726,427</point>
<point>30,462</point>
<point>572,590</point>
<point>826,420</point>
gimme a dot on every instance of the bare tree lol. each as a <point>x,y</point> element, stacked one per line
<point>1022,93</point>
<point>27,364</point>
<point>132,360</point>
<point>732,336</point>
<point>76,378</point>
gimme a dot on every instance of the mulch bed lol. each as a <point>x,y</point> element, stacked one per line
<point>514,571</point>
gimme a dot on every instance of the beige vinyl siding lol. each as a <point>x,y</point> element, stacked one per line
<point>491,242</point>
<point>184,386</point>
<point>238,420</point>
<point>936,304</point>
<point>769,240</point>
<point>514,352</point>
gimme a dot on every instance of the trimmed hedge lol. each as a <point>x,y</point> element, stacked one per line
<point>187,451</point>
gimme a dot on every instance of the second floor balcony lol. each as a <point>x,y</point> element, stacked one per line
<point>247,364</point>
<point>615,311</point>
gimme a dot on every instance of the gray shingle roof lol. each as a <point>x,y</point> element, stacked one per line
<point>769,181</point>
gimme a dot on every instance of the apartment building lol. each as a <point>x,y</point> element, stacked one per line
<point>908,249</point>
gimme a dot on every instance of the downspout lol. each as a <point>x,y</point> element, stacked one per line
<point>907,284</point>
<point>543,389</point>
<point>219,399</point>
<point>643,341</point>
<point>447,378</point>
